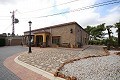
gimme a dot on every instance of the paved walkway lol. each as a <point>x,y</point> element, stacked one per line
<point>22,72</point>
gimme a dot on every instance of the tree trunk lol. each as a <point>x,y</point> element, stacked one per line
<point>109,41</point>
<point>109,33</point>
<point>119,37</point>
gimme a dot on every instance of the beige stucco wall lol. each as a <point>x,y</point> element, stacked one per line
<point>81,35</point>
<point>64,33</point>
<point>78,35</point>
<point>12,41</point>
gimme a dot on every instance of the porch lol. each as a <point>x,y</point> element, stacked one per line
<point>41,39</point>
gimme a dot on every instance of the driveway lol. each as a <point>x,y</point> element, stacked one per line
<point>5,52</point>
<point>50,59</point>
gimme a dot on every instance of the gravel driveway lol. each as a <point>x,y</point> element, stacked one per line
<point>50,59</point>
<point>97,68</point>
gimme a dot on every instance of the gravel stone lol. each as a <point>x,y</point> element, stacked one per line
<point>54,57</point>
<point>97,68</point>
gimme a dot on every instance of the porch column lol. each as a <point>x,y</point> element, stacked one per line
<point>44,40</point>
<point>35,40</point>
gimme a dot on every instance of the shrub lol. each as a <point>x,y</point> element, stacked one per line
<point>2,42</point>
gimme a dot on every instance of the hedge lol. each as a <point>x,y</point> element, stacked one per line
<point>2,42</point>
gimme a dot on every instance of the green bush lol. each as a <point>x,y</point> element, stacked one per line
<point>95,42</point>
<point>2,42</point>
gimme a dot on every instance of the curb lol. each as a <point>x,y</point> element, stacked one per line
<point>85,48</point>
<point>37,70</point>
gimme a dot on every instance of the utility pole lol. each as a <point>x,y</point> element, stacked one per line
<point>13,20</point>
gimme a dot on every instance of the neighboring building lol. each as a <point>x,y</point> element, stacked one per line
<point>2,36</point>
<point>14,40</point>
<point>8,40</point>
<point>68,35</point>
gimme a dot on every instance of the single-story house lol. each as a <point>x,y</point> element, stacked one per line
<point>66,35</point>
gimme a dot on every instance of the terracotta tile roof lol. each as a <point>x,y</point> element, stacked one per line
<point>41,32</point>
<point>54,26</point>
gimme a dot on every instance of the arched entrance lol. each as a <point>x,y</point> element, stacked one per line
<point>41,39</point>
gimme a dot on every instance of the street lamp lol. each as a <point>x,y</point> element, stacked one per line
<point>30,37</point>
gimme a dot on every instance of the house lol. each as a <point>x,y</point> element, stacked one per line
<point>14,40</point>
<point>66,35</point>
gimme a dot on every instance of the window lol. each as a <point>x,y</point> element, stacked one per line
<point>71,30</point>
<point>56,40</point>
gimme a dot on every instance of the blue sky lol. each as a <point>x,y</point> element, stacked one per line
<point>104,10</point>
<point>106,14</point>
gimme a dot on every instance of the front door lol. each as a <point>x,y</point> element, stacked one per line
<point>39,40</point>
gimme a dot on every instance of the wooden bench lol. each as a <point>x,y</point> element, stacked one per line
<point>67,45</point>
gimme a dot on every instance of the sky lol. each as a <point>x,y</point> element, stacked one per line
<point>36,10</point>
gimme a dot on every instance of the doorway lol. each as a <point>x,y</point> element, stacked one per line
<point>39,40</point>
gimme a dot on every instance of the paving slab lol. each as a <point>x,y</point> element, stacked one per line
<point>7,51</point>
<point>22,72</point>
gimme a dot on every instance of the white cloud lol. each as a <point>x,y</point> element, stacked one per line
<point>112,17</point>
<point>7,1</point>
<point>116,8</point>
<point>84,18</point>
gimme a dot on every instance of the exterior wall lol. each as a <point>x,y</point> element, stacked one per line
<point>63,32</point>
<point>77,36</point>
<point>85,38</point>
<point>82,36</point>
<point>12,41</point>
<point>65,35</point>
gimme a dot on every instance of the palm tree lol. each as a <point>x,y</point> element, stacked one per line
<point>117,25</point>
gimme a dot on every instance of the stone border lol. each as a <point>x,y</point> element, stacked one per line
<point>37,70</point>
<point>117,53</point>
<point>59,74</point>
<point>105,49</point>
<point>85,48</point>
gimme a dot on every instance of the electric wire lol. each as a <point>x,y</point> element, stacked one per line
<point>4,16</point>
<point>5,19</point>
<point>74,10</point>
<point>63,4</point>
<point>52,6</point>
<point>83,8</point>
<point>7,27</point>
